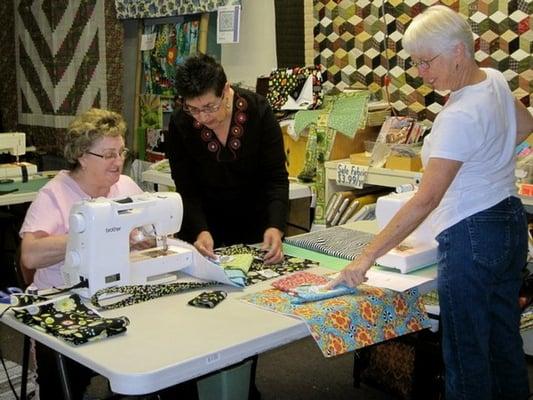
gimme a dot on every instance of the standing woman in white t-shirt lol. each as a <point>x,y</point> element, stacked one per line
<point>469,188</point>
<point>95,152</point>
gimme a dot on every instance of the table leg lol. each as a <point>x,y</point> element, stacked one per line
<point>25,366</point>
<point>63,376</point>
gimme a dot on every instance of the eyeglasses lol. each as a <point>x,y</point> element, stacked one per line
<point>209,109</point>
<point>111,154</point>
<point>423,64</point>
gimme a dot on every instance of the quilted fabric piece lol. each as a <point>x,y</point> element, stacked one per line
<point>208,299</point>
<point>307,294</point>
<point>285,82</point>
<point>289,283</point>
<point>67,318</point>
<point>350,322</point>
<point>347,113</point>
<point>258,271</point>
<point>336,241</point>
<point>241,262</point>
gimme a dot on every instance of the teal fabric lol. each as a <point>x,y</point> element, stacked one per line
<point>309,293</point>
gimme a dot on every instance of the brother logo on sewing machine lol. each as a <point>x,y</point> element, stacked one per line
<point>104,260</point>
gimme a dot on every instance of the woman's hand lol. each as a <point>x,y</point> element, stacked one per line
<point>354,273</point>
<point>205,244</point>
<point>272,243</point>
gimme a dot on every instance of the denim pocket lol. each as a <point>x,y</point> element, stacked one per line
<point>490,236</point>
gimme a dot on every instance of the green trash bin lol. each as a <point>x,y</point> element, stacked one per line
<point>230,384</point>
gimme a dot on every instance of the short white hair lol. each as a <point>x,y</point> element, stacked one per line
<point>438,30</point>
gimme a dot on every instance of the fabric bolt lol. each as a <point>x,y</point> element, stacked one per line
<point>208,299</point>
<point>258,271</point>
<point>67,318</point>
<point>336,241</point>
<point>50,212</point>
<point>350,322</point>
<point>310,293</point>
<point>235,191</point>
<point>285,82</point>
<point>345,113</point>
<point>141,293</point>
<point>289,283</point>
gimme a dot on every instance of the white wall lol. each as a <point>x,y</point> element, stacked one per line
<point>255,54</point>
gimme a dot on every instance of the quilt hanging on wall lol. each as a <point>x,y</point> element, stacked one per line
<point>68,59</point>
<point>357,41</point>
<point>167,8</point>
<point>173,44</point>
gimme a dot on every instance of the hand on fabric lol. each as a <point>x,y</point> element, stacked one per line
<point>353,274</point>
<point>205,244</point>
<point>272,243</point>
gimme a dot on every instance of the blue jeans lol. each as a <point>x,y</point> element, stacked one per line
<point>480,264</point>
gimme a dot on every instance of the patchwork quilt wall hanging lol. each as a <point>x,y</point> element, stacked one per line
<point>68,59</point>
<point>357,40</point>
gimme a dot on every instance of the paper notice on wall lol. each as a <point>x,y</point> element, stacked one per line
<point>148,41</point>
<point>228,24</point>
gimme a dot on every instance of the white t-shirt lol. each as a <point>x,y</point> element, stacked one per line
<point>50,210</point>
<point>478,127</point>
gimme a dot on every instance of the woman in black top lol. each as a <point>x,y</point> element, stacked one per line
<point>227,160</point>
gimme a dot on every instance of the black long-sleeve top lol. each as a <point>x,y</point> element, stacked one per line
<point>234,191</point>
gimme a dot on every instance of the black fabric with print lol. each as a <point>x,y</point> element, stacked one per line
<point>67,318</point>
<point>140,293</point>
<point>208,299</point>
<point>286,266</point>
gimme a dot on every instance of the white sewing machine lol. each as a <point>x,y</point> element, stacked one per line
<point>98,247</point>
<point>418,250</point>
<point>14,143</point>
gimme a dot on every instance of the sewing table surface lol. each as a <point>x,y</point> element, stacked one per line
<point>168,341</point>
<point>26,191</point>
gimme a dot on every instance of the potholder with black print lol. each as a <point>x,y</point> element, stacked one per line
<point>208,299</point>
<point>67,318</point>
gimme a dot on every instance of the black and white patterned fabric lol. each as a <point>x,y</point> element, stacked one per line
<point>67,318</point>
<point>337,242</point>
<point>139,293</point>
<point>208,299</point>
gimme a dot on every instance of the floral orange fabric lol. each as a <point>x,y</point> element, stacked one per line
<point>349,322</point>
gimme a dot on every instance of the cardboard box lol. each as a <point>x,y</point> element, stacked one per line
<point>343,146</point>
<point>360,158</point>
<point>404,163</point>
